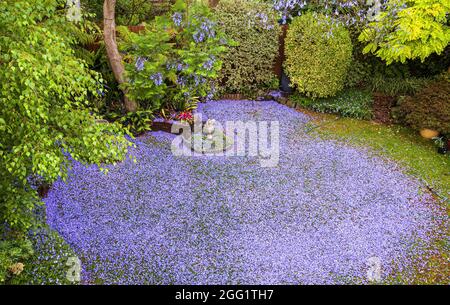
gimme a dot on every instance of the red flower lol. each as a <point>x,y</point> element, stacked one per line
<point>185,116</point>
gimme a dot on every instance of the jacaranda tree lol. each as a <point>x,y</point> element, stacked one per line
<point>45,117</point>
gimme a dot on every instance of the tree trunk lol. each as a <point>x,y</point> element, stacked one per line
<point>115,59</point>
<point>213,3</point>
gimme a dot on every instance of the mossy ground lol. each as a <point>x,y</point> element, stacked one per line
<point>417,155</point>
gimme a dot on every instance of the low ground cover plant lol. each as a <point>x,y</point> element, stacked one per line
<point>247,66</point>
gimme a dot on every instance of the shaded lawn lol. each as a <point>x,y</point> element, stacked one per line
<point>417,155</point>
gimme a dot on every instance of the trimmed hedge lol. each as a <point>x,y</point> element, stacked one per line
<point>429,108</point>
<point>318,54</point>
<point>248,66</point>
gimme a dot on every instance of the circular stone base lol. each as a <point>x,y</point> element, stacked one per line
<point>201,144</point>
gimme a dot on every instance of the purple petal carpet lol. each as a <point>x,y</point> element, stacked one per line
<point>316,218</point>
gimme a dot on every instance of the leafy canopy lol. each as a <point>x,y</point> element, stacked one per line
<point>172,63</point>
<point>44,110</point>
<point>408,30</point>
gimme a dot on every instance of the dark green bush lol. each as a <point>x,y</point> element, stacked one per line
<point>13,252</point>
<point>318,54</point>
<point>429,108</point>
<point>395,79</point>
<point>350,103</point>
<point>358,74</point>
<point>248,66</point>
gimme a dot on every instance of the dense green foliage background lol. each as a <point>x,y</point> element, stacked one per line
<point>248,66</point>
<point>429,108</point>
<point>130,12</point>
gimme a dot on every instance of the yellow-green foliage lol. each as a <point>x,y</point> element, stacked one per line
<point>408,30</point>
<point>248,65</point>
<point>318,54</point>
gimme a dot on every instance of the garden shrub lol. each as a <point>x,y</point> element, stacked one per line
<point>247,67</point>
<point>13,254</point>
<point>349,103</point>
<point>433,65</point>
<point>318,54</point>
<point>111,99</point>
<point>429,108</point>
<point>394,79</point>
<point>136,122</point>
<point>395,86</point>
<point>45,115</point>
<point>358,73</point>
<point>172,64</point>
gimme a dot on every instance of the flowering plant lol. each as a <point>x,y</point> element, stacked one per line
<point>185,116</point>
<point>173,62</point>
<point>353,12</point>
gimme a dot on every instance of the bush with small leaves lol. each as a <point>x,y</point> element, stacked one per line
<point>318,54</point>
<point>349,103</point>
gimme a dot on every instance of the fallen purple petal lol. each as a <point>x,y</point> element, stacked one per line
<point>316,218</point>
